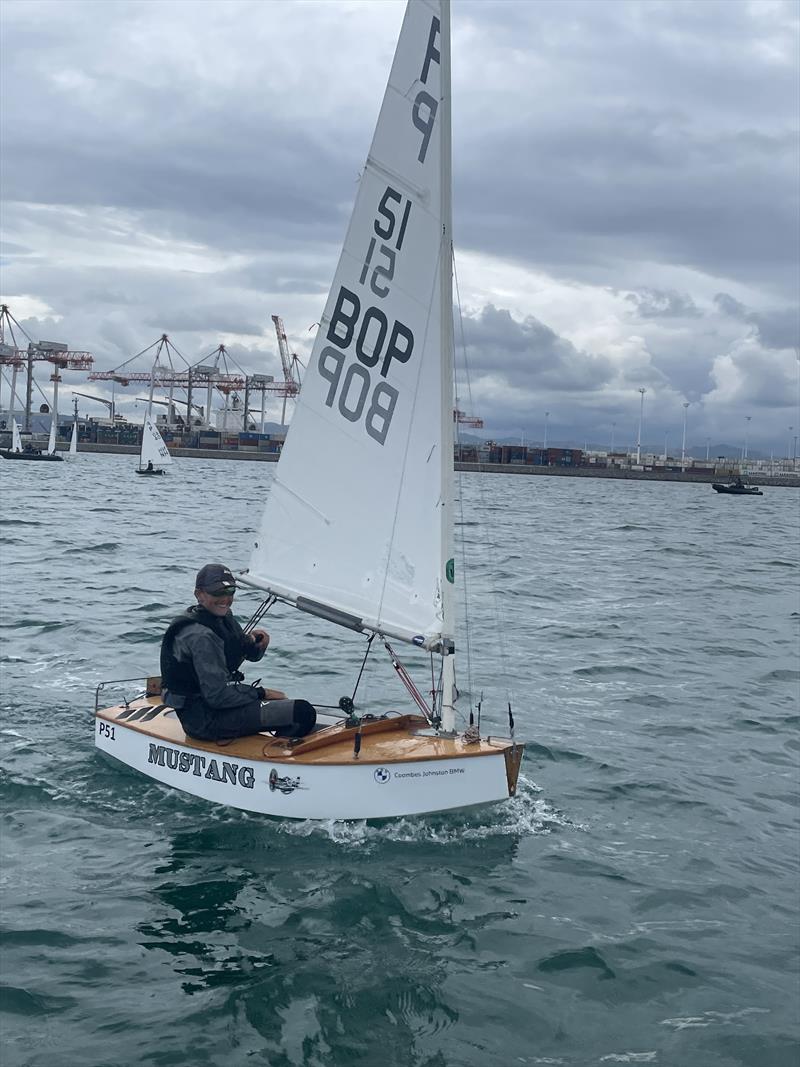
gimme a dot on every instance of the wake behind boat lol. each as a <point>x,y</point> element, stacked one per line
<point>358,525</point>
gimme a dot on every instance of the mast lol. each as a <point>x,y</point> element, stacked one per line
<point>446,291</point>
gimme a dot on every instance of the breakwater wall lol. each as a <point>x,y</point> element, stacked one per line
<point>789,481</point>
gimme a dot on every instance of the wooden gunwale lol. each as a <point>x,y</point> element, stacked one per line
<point>331,747</point>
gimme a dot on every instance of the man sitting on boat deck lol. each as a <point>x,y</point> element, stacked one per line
<point>201,653</point>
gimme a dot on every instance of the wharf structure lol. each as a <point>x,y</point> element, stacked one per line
<point>121,436</point>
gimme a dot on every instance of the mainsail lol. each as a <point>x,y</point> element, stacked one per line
<point>51,443</point>
<point>358,519</point>
<point>16,440</point>
<point>73,441</point>
<point>153,448</point>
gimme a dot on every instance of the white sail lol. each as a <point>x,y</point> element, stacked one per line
<point>354,520</point>
<point>51,443</point>
<point>73,441</point>
<point>16,440</point>
<point>153,448</point>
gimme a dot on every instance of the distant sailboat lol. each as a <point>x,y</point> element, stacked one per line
<point>73,441</point>
<point>358,524</point>
<point>154,454</point>
<point>51,443</point>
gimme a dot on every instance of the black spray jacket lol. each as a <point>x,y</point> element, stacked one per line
<point>199,654</point>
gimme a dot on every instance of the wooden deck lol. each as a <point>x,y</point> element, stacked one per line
<point>396,739</point>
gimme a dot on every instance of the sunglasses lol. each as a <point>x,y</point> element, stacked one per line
<point>225,593</point>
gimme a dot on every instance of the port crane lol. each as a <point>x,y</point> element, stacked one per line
<point>289,363</point>
<point>88,396</point>
<point>166,375</point>
<point>16,357</point>
<point>462,419</point>
<point>211,372</point>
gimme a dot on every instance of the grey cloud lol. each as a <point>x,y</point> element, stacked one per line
<point>776,329</point>
<point>658,304</point>
<point>635,146</point>
<point>530,353</point>
<point>779,329</point>
<point>730,306</point>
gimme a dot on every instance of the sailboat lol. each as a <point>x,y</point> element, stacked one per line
<point>73,441</point>
<point>153,454</point>
<point>358,526</point>
<point>51,442</point>
<point>29,452</point>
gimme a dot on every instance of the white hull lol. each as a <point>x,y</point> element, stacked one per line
<point>288,788</point>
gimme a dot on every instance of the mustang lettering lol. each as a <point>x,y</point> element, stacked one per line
<point>201,766</point>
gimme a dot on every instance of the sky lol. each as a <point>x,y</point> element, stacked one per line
<point>626,197</point>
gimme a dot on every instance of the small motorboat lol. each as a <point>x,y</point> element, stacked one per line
<point>737,488</point>
<point>31,454</point>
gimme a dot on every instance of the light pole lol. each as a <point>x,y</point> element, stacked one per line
<point>747,419</point>
<point>642,391</point>
<point>546,417</point>
<point>683,444</point>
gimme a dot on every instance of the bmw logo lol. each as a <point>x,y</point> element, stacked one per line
<point>382,775</point>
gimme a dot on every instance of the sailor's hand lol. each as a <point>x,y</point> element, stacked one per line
<point>260,639</point>
<point>271,694</point>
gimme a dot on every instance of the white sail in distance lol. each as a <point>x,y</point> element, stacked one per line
<point>355,517</point>
<point>73,441</point>
<point>51,443</point>
<point>16,440</point>
<point>153,448</point>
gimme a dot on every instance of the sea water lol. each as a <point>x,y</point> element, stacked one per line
<point>636,903</point>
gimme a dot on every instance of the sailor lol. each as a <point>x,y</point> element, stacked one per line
<point>149,466</point>
<point>201,653</point>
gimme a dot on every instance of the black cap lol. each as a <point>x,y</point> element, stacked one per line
<point>215,578</point>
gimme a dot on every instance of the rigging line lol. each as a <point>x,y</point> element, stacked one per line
<point>16,394</point>
<point>461,331</point>
<point>408,682</point>
<point>462,539</point>
<point>370,639</point>
<point>259,614</point>
<point>433,687</point>
<point>500,620</point>
<point>132,358</point>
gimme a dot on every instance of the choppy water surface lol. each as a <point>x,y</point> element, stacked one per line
<point>637,903</point>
